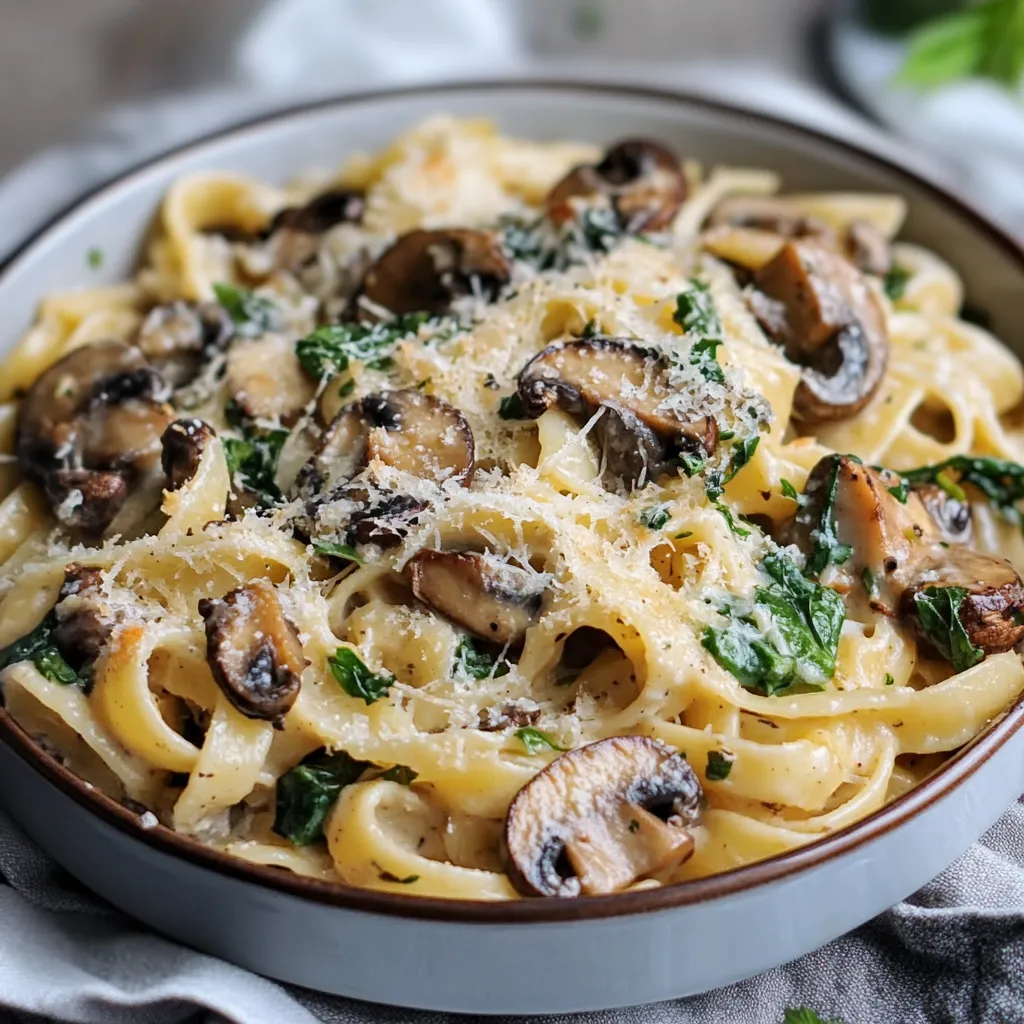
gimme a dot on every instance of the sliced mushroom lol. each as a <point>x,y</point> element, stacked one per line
<point>769,213</point>
<point>821,310</point>
<point>266,379</point>
<point>897,550</point>
<point>426,271</point>
<point>867,248</point>
<point>89,430</point>
<point>991,607</point>
<point>85,616</point>
<point>492,600</point>
<point>385,521</point>
<point>322,212</point>
<point>633,453</point>
<point>601,817</point>
<point>642,181</point>
<point>182,447</point>
<point>177,337</point>
<point>253,651</point>
<point>340,455</point>
<point>952,517</point>
<point>586,373</point>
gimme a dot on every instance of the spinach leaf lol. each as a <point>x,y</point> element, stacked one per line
<point>252,461</point>
<point>789,638</point>
<point>470,660</point>
<point>328,350</point>
<point>938,611</point>
<point>356,679</point>
<point>654,517</point>
<point>547,246</point>
<point>695,311</point>
<point>306,794</point>
<point>511,407</point>
<point>742,453</point>
<point>251,313</point>
<point>827,548</point>
<point>534,740</point>
<point>39,648</point>
<point>801,1015</point>
<point>895,282</point>
<point>1002,482</point>
<point>719,765</point>
<point>335,550</point>
<point>726,513</point>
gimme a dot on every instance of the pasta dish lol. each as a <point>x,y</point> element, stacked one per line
<point>497,519</point>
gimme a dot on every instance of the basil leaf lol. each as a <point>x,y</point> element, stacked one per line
<point>306,794</point>
<point>356,679</point>
<point>252,314</point>
<point>719,765</point>
<point>475,663</point>
<point>938,611</point>
<point>534,740</point>
<point>39,648</point>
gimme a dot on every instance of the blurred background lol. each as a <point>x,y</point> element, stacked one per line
<point>90,86</point>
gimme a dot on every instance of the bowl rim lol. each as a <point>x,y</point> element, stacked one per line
<point>960,766</point>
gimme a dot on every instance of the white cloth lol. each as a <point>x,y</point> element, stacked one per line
<point>955,952</point>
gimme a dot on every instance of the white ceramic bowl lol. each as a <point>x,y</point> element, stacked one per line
<point>537,955</point>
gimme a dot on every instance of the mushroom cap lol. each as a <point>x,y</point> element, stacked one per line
<point>322,212</point>
<point>817,305</point>
<point>182,447</point>
<point>176,337</point>
<point>492,600</point>
<point>253,650</point>
<point>600,817</point>
<point>425,271</point>
<point>641,179</point>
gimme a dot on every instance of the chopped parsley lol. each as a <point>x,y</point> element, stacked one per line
<point>801,1015</point>
<point>534,740</point>
<point>704,355</point>
<point>654,517</point>
<point>634,825</point>
<point>252,314</point>
<point>511,407</point>
<point>328,350</point>
<point>788,638</point>
<point>938,611</point>
<point>742,453</point>
<point>695,311</point>
<point>356,679</point>
<point>306,794</point>
<point>719,765</point>
<point>900,491</point>
<point>693,462</point>
<point>868,579</point>
<point>895,282</point>
<point>889,679</point>
<point>252,462</point>
<point>39,648</point>
<point>547,246</point>
<point>471,661</point>
<point>730,520</point>
<point>335,550</point>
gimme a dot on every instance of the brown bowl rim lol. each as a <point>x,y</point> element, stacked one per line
<point>957,769</point>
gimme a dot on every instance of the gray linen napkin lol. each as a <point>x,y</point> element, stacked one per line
<point>952,954</point>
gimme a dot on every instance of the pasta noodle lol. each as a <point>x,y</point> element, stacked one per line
<point>333,591</point>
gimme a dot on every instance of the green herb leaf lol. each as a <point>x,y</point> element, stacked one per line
<point>704,355</point>
<point>512,408</point>
<point>401,774</point>
<point>726,435</point>
<point>693,463</point>
<point>742,453</point>
<point>726,513</point>
<point>470,660</point>
<point>589,329</point>
<point>795,1015</point>
<point>328,350</point>
<point>719,765</point>
<point>952,47</point>
<point>827,548</point>
<point>895,282</point>
<point>900,491</point>
<point>938,611</point>
<point>253,314</point>
<point>954,490</point>
<point>387,876</point>
<point>335,550</point>
<point>347,388</point>
<point>252,461</point>
<point>306,794</point>
<point>868,579</point>
<point>889,679</point>
<point>534,740</point>
<point>1001,482</point>
<point>356,679</point>
<point>654,517</point>
<point>39,648</point>
<point>695,311</point>
<point>789,491</point>
<point>94,257</point>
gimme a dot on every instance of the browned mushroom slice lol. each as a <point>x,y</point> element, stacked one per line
<point>601,817</point>
<point>425,271</point>
<point>419,434</point>
<point>85,616</point>
<point>641,179</point>
<point>818,307</point>
<point>177,337</point>
<point>386,521</point>
<point>633,454</point>
<point>983,592</point>
<point>183,444</point>
<point>322,212</point>
<point>266,379</point>
<point>580,375</point>
<point>89,430</point>
<point>253,651</point>
<point>769,213</point>
<point>952,516</point>
<point>867,248</point>
<point>339,456</point>
<point>492,600</point>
